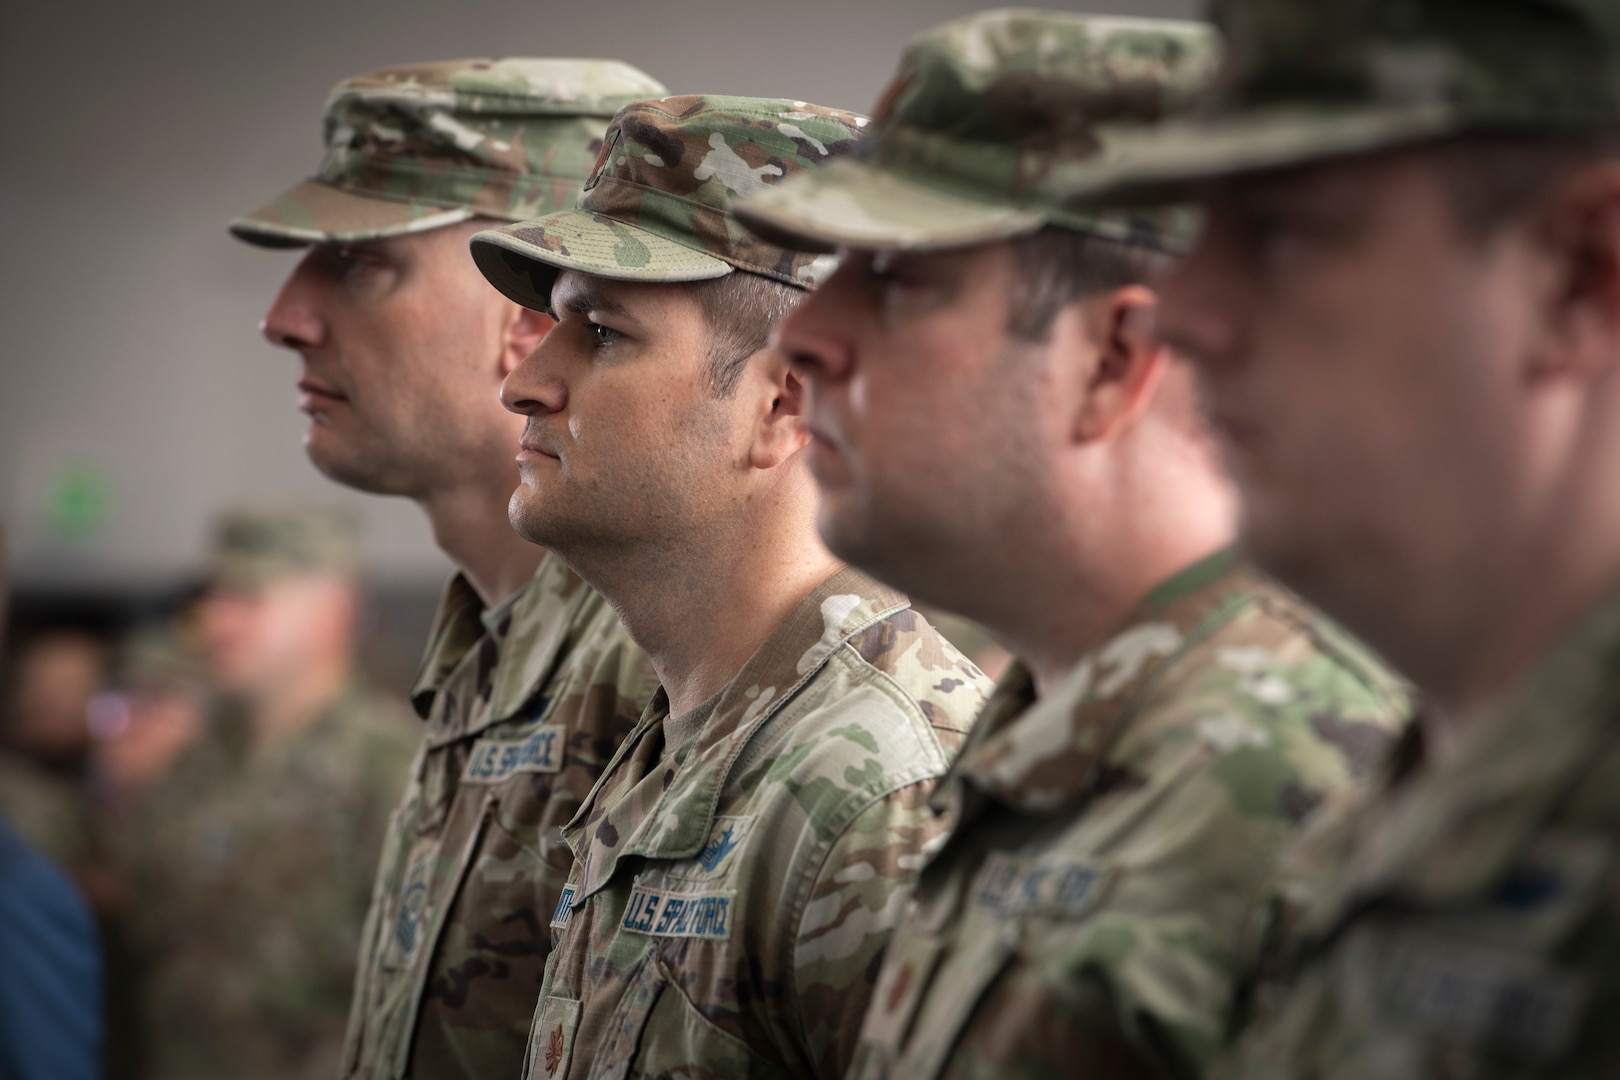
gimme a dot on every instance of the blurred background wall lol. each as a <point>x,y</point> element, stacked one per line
<point>136,396</point>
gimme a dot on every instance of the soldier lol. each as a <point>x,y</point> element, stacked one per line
<point>1405,308</point>
<point>528,682</point>
<point>1173,716</point>
<point>739,868</point>
<point>255,856</point>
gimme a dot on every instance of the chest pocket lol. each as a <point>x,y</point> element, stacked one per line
<point>495,935</point>
<point>658,1032</point>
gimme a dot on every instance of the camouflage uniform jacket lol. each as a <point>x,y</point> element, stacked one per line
<point>51,812</point>
<point>1087,914</point>
<point>730,900</point>
<point>1463,918</point>
<point>524,704</point>
<point>253,875</point>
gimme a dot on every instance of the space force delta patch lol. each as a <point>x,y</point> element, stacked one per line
<point>687,915</point>
<point>494,760</point>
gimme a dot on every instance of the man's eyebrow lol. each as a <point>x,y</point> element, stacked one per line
<point>584,298</point>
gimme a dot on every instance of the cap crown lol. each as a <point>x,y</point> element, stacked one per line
<point>506,138</point>
<point>254,545</point>
<point>672,167</point>
<point>1474,64</point>
<point>995,106</point>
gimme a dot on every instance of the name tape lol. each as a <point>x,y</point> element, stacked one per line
<point>1062,887</point>
<point>495,760</point>
<point>686,915</point>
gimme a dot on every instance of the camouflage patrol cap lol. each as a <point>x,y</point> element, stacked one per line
<point>255,545</point>
<point>657,205</point>
<point>983,114</point>
<point>424,145</point>
<point>1308,81</point>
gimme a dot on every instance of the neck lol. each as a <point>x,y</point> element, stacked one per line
<point>470,525</point>
<point>735,589</point>
<point>298,701</point>
<point>1545,585</point>
<point>1080,570</point>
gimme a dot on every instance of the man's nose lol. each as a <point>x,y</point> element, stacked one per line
<point>294,320</point>
<point>1198,306</point>
<point>810,336</point>
<point>531,388</point>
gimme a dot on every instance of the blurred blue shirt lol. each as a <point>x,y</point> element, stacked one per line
<point>50,971</point>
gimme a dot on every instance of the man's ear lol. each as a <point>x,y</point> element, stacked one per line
<point>779,432</point>
<point>1580,230</point>
<point>525,329</point>
<point>1118,329</point>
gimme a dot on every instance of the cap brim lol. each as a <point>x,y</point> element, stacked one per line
<point>858,204</point>
<point>313,212</point>
<point>1171,162</point>
<point>523,260</point>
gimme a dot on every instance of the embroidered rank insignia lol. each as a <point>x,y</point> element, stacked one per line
<point>495,760</point>
<point>551,1038</point>
<point>686,915</point>
<point>565,908</point>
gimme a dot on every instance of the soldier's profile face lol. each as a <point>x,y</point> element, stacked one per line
<point>926,415</point>
<point>399,341</point>
<point>1362,362</point>
<point>624,441</point>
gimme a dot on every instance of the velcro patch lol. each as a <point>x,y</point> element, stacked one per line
<point>565,908</point>
<point>687,915</point>
<point>495,760</point>
<point>1054,887</point>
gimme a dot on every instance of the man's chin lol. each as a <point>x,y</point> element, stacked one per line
<point>527,519</point>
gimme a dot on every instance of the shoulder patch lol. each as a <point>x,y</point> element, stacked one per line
<point>495,760</point>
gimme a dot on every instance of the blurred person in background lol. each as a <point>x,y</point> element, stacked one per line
<point>156,710</point>
<point>254,857</point>
<point>529,682</point>
<point>45,751</point>
<point>50,966</point>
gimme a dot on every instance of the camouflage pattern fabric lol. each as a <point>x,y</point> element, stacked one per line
<point>258,544</point>
<point>252,881</point>
<point>980,123</point>
<point>1460,919</point>
<point>731,895</point>
<point>524,705</point>
<point>423,145</point>
<point>50,812</point>
<point>1087,914</point>
<point>1307,81</point>
<point>655,207</point>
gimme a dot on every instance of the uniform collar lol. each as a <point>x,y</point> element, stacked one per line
<point>1442,833</point>
<point>678,823</point>
<point>528,634</point>
<point>1037,756</point>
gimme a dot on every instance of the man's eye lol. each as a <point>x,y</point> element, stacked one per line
<point>605,335</point>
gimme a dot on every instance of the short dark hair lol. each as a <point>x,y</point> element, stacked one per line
<point>1056,266</point>
<point>1493,178</point>
<point>741,309</point>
